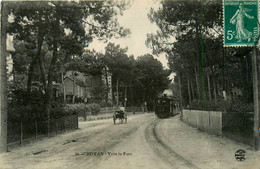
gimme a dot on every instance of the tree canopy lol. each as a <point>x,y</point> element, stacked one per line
<point>53,33</point>
<point>191,35</point>
<point>150,77</point>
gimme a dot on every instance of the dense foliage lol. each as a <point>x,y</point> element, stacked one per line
<point>82,110</point>
<point>50,39</point>
<point>137,80</point>
<point>191,35</point>
<point>48,35</point>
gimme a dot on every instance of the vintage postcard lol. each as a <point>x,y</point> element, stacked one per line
<point>129,84</point>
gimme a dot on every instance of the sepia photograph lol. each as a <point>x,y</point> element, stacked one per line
<point>129,84</point>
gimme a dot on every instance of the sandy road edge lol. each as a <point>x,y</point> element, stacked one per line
<point>158,146</point>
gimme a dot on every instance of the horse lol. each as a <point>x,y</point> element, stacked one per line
<point>120,115</point>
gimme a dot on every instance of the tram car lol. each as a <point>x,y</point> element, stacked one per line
<point>165,107</point>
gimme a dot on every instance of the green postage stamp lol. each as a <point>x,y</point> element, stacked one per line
<point>240,22</point>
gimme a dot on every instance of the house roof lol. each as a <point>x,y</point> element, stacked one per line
<point>77,81</point>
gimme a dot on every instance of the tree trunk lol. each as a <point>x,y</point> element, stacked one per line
<point>3,79</point>
<point>197,84</point>
<point>203,89</point>
<point>30,76</point>
<point>36,130</point>
<point>189,90</point>
<point>144,101</point>
<point>209,90</point>
<point>132,95</point>
<point>107,86</point>
<point>21,131</point>
<point>56,127</point>
<point>217,88</point>
<point>198,61</point>
<point>50,78</point>
<point>223,70</point>
<point>39,53</point>
<point>73,98</point>
<point>36,59</point>
<point>180,93</point>
<point>125,96</point>
<point>215,91</point>
<point>41,65</point>
<point>42,74</point>
<point>64,89</point>
<point>226,88</point>
<point>192,90</point>
<point>52,70</point>
<point>117,95</point>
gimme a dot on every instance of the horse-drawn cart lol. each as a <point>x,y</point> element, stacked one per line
<point>121,115</point>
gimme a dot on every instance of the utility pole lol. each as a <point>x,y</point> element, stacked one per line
<point>256,99</point>
<point>3,79</point>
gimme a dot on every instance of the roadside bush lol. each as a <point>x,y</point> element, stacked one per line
<point>25,112</point>
<point>83,110</point>
<point>22,106</point>
<point>104,104</point>
<point>80,109</point>
<point>239,106</point>
<point>94,108</point>
<point>33,112</point>
<point>18,112</point>
<point>233,106</point>
<point>58,112</point>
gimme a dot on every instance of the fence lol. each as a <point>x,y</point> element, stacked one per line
<point>134,109</point>
<point>238,127</point>
<point>107,110</point>
<point>20,131</point>
<point>208,121</point>
<point>235,126</point>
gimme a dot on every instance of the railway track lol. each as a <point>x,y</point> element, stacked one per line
<point>166,153</point>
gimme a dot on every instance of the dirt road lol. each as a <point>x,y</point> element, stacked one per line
<point>145,142</point>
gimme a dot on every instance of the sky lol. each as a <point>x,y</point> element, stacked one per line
<point>135,18</point>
